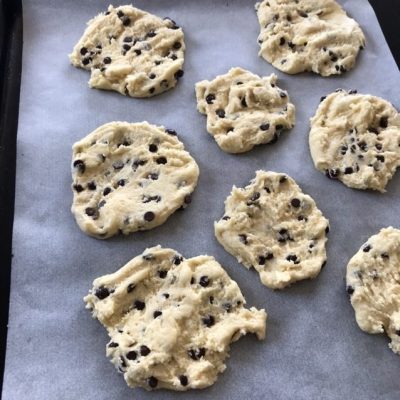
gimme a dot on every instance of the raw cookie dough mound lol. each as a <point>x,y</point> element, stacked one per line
<point>171,320</point>
<point>131,51</point>
<point>273,226</point>
<point>308,35</point>
<point>373,283</point>
<point>356,139</point>
<point>129,177</point>
<point>244,110</point>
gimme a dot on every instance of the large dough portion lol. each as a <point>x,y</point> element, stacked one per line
<point>272,226</point>
<point>244,110</point>
<point>131,51</point>
<point>355,138</point>
<point>373,283</point>
<point>129,177</point>
<point>308,35</point>
<point>171,320</point>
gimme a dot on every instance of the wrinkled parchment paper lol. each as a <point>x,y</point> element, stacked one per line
<point>314,349</point>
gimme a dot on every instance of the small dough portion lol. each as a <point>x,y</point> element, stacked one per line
<point>308,35</point>
<point>129,177</point>
<point>131,51</point>
<point>373,284</point>
<point>272,226</point>
<point>171,320</point>
<point>355,138</point>
<point>244,110</point>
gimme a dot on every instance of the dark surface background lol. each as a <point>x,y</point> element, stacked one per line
<point>388,13</point>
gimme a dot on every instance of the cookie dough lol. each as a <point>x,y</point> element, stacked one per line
<point>355,138</point>
<point>244,110</point>
<point>373,284</point>
<point>131,51</point>
<point>171,320</point>
<point>129,177</point>
<point>308,35</point>
<point>272,226</point>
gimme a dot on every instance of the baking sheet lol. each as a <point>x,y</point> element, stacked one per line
<point>314,348</point>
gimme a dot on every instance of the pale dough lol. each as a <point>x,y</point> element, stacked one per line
<point>131,51</point>
<point>129,177</point>
<point>308,35</point>
<point>171,320</point>
<point>244,110</point>
<point>272,226</point>
<point>373,283</point>
<point>355,138</point>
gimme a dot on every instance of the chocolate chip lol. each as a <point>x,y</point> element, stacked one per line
<point>383,122</point>
<point>255,196</point>
<point>171,132</point>
<point>327,230</point>
<point>188,199</point>
<point>183,380</point>
<point>295,203</point>
<point>367,248</point>
<point>283,236</point>
<point>210,98</point>
<point>161,160</point>
<point>332,173</point>
<point>83,51</point>
<point>261,260</point>
<point>291,45</point>
<point>156,314</point>
<point>243,102</point>
<point>282,41</point>
<point>226,218</point>
<point>350,290</point>
<point>120,14</point>
<point>380,158</point>
<point>373,130</point>
<point>78,188</point>
<point>128,39</point>
<point>132,355</point>
<point>378,146</point>
<point>192,280</point>
<point>177,259</point>
<point>138,52</point>
<point>227,307</point>
<point>178,74</point>
<point>151,34</point>
<point>153,382</point>
<point>177,45</point>
<point>101,204</point>
<point>164,83</point>
<point>166,295</point>
<point>102,292</point>
<point>112,344</point>
<point>197,354</point>
<point>138,163</point>
<point>173,57</point>
<point>126,47</point>
<point>139,305</point>
<point>121,182</point>
<point>149,216</point>
<point>302,13</point>
<point>208,321</point>
<point>385,255</point>
<point>123,363</point>
<point>283,179</point>
<point>106,60</point>
<point>264,127</point>
<point>106,191</point>
<point>118,165</point>
<point>269,256</point>
<point>86,61</point>
<point>291,258</point>
<point>153,148</point>
<point>362,145</point>
<point>152,76</point>
<point>126,21</point>
<point>162,273</point>
<point>322,99</point>
<point>144,351</point>
<point>80,165</point>
<point>204,281</point>
<point>282,94</point>
<point>243,238</point>
<point>220,113</point>
<point>130,287</point>
<point>90,211</point>
<point>348,170</point>
<point>153,176</point>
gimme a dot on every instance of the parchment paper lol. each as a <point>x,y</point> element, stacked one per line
<point>314,349</point>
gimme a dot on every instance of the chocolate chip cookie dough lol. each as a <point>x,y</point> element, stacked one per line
<point>308,35</point>
<point>272,226</point>
<point>355,138</point>
<point>129,177</point>
<point>373,284</point>
<point>244,110</point>
<point>171,320</point>
<point>131,51</point>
